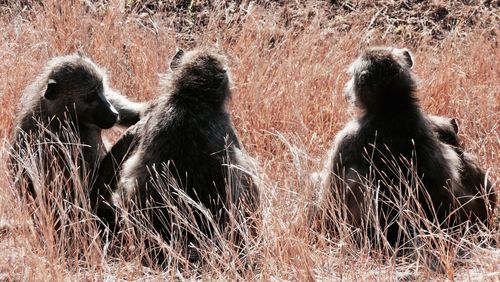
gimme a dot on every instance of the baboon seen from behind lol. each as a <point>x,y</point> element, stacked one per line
<point>187,144</point>
<point>387,152</point>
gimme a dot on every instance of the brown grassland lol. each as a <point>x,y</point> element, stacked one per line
<point>288,62</point>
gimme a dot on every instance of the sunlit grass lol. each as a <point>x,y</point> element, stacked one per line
<point>287,106</point>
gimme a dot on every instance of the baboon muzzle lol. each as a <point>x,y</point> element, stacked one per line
<point>105,115</point>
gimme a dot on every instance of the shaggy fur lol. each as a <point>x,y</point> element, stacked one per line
<point>379,157</point>
<point>186,144</point>
<point>59,122</point>
<point>473,190</point>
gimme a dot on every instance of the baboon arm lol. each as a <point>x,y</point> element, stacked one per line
<point>109,168</point>
<point>129,112</point>
<point>108,173</point>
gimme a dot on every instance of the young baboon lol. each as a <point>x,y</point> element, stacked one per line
<point>473,190</point>
<point>446,129</point>
<point>187,145</point>
<point>60,118</point>
<point>388,153</point>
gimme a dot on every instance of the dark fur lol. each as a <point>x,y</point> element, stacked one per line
<point>189,137</point>
<point>68,103</point>
<point>474,191</point>
<point>109,172</point>
<point>390,130</point>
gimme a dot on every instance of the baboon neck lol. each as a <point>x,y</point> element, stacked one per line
<point>393,103</point>
<point>198,101</point>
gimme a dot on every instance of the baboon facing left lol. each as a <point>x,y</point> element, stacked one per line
<point>59,122</point>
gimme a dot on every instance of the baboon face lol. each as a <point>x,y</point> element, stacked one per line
<point>377,72</point>
<point>201,74</point>
<point>80,86</point>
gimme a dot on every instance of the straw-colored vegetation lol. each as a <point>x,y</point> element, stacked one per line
<point>288,62</point>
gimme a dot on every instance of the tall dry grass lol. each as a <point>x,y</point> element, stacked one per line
<point>287,106</point>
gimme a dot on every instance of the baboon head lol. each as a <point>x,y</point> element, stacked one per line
<point>446,129</point>
<point>379,75</point>
<point>200,76</point>
<point>76,84</point>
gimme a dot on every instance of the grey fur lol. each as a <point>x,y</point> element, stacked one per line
<point>473,189</point>
<point>377,147</point>
<point>187,137</point>
<point>68,103</point>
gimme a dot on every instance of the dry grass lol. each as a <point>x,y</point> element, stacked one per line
<point>287,106</point>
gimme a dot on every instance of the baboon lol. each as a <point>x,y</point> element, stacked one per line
<point>187,144</point>
<point>473,190</point>
<point>60,118</point>
<point>380,158</point>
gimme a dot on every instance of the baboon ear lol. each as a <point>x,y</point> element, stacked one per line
<point>454,124</point>
<point>81,54</point>
<point>50,92</point>
<point>176,60</point>
<point>408,58</point>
